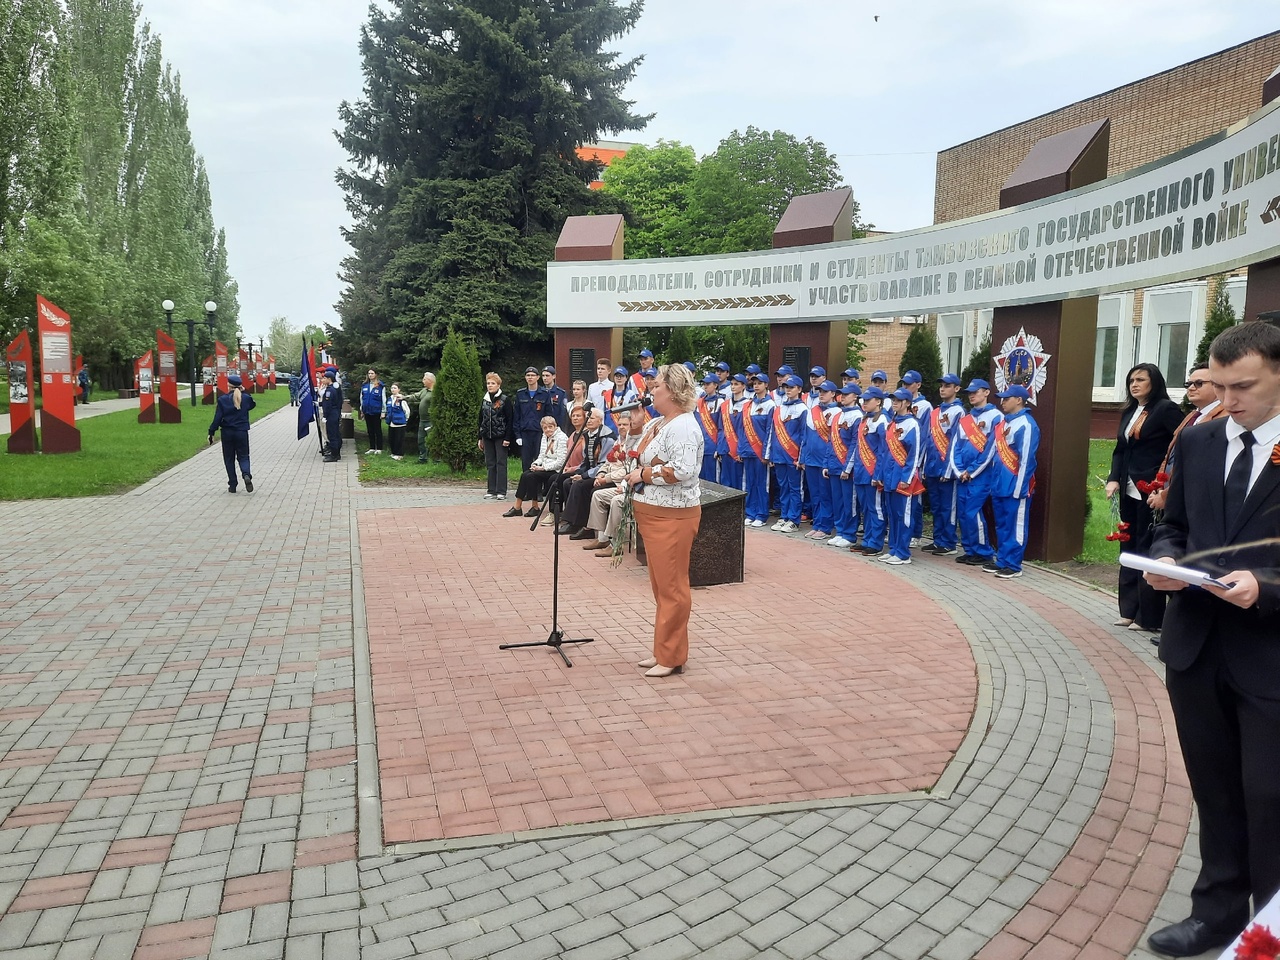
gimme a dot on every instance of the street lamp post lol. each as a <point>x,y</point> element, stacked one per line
<point>210,309</point>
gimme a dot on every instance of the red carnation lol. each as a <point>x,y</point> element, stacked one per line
<point>1162,478</point>
<point>1258,943</point>
<point>1143,486</point>
<point>633,454</point>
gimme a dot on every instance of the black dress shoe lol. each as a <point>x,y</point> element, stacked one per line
<point>564,529</point>
<point>248,484</point>
<point>514,512</point>
<point>532,511</point>
<point>1188,938</point>
<point>586,533</point>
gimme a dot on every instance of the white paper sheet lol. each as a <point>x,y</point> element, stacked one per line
<point>1170,570</point>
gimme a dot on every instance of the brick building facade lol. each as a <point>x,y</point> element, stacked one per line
<point>1150,118</point>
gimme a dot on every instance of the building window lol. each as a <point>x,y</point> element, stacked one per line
<point>1107,351</point>
<point>951,337</point>
<point>1236,287</point>
<point>955,355</point>
<point>1173,350</point>
<point>1166,320</point>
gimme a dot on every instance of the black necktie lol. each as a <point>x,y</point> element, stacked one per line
<point>1238,480</point>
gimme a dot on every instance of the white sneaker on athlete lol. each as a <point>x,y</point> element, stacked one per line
<point>757,524</point>
<point>895,561</point>
<point>838,542</point>
<point>788,527</point>
<point>915,543</point>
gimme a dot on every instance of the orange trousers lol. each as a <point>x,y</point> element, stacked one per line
<point>668,534</point>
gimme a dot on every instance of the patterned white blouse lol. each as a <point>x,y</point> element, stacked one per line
<point>671,458</point>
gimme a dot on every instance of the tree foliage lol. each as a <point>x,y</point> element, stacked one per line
<point>1222,316</point>
<point>981,365</point>
<point>104,203</point>
<point>455,404</point>
<point>923,354</point>
<point>463,166</point>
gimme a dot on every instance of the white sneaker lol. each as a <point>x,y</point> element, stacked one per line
<point>369,451</point>
<point>838,542</point>
<point>757,523</point>
<point>501,496</point>
<point>915,543</point>
<point>746,522</point>
<point>777,525</point>
<point>890,559</point>
<point>788,527</point>
<point>491,496</point>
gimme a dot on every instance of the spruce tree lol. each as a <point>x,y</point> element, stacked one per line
<point>455,404</point>
<point>463,166</point>
<point>980,365</point>
<point>1222,316</point>
<point>924,355</point>
<point>679,346</point>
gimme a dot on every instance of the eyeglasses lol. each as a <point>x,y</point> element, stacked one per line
<point>1195,383</point>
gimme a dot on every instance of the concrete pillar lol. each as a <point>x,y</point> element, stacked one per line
<point>577,348</point>
<point>1262,294</point>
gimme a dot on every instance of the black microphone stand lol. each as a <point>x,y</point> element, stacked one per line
<point>556,638</point>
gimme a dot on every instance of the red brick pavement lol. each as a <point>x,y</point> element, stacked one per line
<point>781,701</point>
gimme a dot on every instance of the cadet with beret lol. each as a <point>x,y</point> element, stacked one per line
<point>331,410</point>
<point>532,403</point>
<point>559,404</point>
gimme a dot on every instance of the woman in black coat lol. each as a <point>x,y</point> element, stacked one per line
<point>1147,423</point>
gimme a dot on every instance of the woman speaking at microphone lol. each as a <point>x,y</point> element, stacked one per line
<point>667,511</point>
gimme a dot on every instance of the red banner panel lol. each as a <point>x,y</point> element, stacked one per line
<point>243,369</point>
<point>58,433</point>
<point>142,379</point>
<point>22,399</point>
<point>209,375</point>
<point>259,372</point>
<point>220,359</point>
<point>167,352</point>
<point>271,371</point>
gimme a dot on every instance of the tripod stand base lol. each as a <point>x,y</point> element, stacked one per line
<point>555,640</point>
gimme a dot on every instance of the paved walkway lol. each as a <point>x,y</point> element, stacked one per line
<point>200,757</point>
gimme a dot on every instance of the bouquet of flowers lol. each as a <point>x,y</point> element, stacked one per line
<point>1121,531</point>
<point>627,517</point>
<point>1258,943</point>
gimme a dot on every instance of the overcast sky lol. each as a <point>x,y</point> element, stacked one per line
<point>264,78</point>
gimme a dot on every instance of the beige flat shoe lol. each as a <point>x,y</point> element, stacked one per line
<point>663,671</point>
<point>648,662</point>
<point>1123,622</point>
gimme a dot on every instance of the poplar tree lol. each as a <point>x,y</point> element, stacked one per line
<point>463,167</point>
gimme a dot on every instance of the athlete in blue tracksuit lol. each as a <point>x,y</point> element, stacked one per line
<point>972,449</point>
<point>232,417</point>
<point>938,431</point>
<point>920,409</point>
<point>1017,439</point>
<point>753,446</point>
<point>842,449</point>
<point>899,474</point>
<point>729,423</point>
<point>784,453</point>
<point>866,458</point>
<point>705,411</point>
<point>815,453</point>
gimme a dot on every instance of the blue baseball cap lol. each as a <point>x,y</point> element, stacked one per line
<point>740,377</point>
<point>851,388</point>
<point>647,353</point>
<point>235,381</point>
<point>784,371</point>
<point>873,393</point>
<point>853,372</point>
<point>912,376</point>
<point>691,366</point>
<point>621,370</point>
<point>950,378</point>
<point>818,372</point>
<point>793,381</point>
<point>1014,390</point>
<point>880,375</point>
<point>977,384</point>
<point>710,378</point>
<point>828,385</point>
<point>648,374</point>
<point>901,394</point>
<point>753,368</point>
<point>723,366</point>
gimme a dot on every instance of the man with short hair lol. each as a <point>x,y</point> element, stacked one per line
<point>595,392</point>
<point>423,399</point>
<point>531,404</point>
<point>1202,396</point>
<point>637,378</point>
<point>1219,642</point>
<point>852,375</point>
<point>559,402</point>
<point>722,376</point>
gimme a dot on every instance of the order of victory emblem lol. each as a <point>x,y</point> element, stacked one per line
<point>1022,362</point>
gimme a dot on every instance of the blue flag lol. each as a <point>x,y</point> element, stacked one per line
<point>306,396</point>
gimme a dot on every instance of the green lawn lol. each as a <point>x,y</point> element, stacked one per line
<point>382,469</point>
<point>1097,549</point>
<point>116,453</point>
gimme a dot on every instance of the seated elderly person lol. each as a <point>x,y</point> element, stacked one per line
<point>576,486</point>
<point>606,500</point>
<point>535,481</point>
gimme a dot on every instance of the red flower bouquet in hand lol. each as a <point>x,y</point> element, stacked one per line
<point>1258,943</point>
<point>1121,532</point>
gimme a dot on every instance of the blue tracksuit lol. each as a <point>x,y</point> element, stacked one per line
<point>920,409</point>
<point>815,451</point>
<point>866,459</point>
<point>899,471</point>
<point>841,452</point>
<point>785,463</point>
<point>705,412</point>
<point>941,486</point>
<point>730,465</point>
<point>1017,439</point>
<point>757,417</point>
<point>972,449</point>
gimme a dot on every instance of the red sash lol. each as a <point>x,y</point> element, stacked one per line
<point>973,432</point>
<point>897,449</point>
<point>730,433</point>
<point>708,420</point>
<point>939,436</point>
<point>749,427</point>
<point>607,398</point>
<point>789,446</point>
<point>1008,456</point>
<point>837,441</point>
<point>820,424</point>
<point>637,381</point>
<point>865,453</point>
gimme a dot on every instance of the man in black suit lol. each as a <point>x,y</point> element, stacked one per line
<point>1221,645</point>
